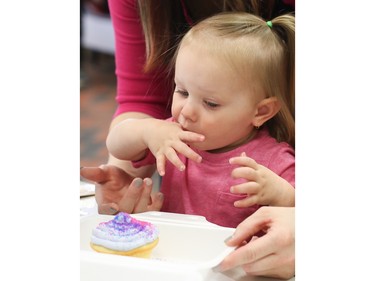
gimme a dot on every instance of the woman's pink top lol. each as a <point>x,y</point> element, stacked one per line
<point>136,91</point>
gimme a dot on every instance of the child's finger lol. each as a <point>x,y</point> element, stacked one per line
<point>185,150</point>
<point>160,164</point>
<point>187,136</point>
<point>245,173</point>
<point>246,202</point>
<point>243,161</point>
<point>172,157</point>
<point>245,188</point>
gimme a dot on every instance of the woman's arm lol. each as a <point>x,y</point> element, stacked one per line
<point>137,91</point>
<point>119,186</point>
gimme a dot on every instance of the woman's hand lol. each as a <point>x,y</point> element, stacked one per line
<point>271,255</point>
<point>116,191</point>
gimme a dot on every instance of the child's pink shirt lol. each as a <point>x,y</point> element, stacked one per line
<point>203,188</point>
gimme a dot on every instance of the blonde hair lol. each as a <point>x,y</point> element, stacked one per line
<point>163,22</point>
<point>254,48</point>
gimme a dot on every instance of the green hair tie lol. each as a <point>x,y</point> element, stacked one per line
<point>269,23</point>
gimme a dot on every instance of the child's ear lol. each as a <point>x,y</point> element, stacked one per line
<point>266,109</point>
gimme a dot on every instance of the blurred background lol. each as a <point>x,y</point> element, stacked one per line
<point>97,81</point>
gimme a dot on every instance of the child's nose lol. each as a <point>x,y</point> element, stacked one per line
<point>189,111</point>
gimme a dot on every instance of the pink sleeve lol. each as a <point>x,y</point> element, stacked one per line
<point>136,91</point>
<point>290,3</point>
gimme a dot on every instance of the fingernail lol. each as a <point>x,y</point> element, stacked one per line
<point>138,182</point>
<point>113,210</point>
<point>148,181</point>
<point>228,238</point>
<point>160,196</point>
<point>182,167</point>
<point>216,268</point>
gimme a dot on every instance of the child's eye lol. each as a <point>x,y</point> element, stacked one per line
<point>182,93</point>
<point>211,104</point>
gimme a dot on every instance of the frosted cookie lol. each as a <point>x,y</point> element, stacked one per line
<point>125,235</point>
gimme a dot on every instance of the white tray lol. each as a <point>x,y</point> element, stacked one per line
<point>188,248</point>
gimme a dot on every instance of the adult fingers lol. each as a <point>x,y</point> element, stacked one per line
<point>117,175</point>
<point>157,200</point>
<point>271,266</point>
<point>108,208</point>
<point>249,253</point>
<point>105,173</point>
<point>145,198</point>
<point>94,174</point>
<point>131,196</point>
<point>250,226</point>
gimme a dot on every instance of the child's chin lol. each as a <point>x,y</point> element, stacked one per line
<point>202,146</point>
<point>199,146</point>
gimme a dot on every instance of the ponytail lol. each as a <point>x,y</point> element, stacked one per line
<point>282,126</point>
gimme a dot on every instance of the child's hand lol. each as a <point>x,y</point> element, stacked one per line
<point>165,139</point>
<point>263,186</point>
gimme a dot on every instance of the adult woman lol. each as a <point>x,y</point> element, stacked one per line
<point>145,42</point>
